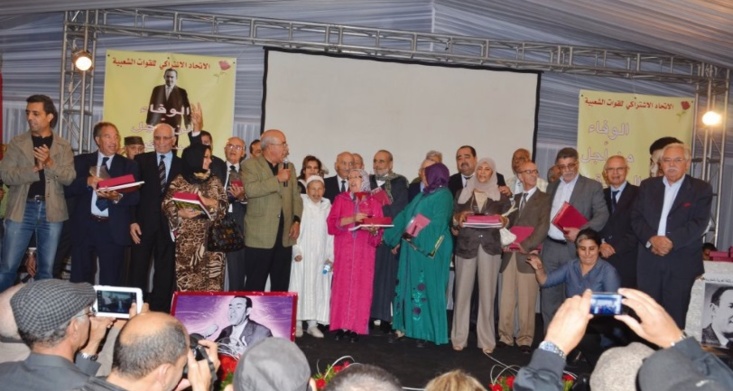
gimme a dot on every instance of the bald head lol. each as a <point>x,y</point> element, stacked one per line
<point>163,138</point>
<point>8,328</point>
<point>344,163</point>
<point>520,157</point>
<point>148,341</point>
<point>274,146</point>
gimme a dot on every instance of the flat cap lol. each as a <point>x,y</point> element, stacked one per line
<point>134,140</point>
<point>45,305</point>
<point>272,364</point>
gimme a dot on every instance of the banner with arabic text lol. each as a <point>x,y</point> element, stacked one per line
<point>142,89</point>
<point>612,123</point>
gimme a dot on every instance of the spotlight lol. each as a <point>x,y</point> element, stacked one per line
<point>82,60</point>
<point>711,118</point>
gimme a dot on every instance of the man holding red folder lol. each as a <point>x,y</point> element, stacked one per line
<point>518,284</point>
<point>586,196</point>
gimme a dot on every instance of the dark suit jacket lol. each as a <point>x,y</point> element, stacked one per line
<point>399,195</point>
<point>686,223</point>
<point>332,186</point>
<point>618,233</point>
<point>148,212</point>
<point>709,337</point>
<point>587,198</point>
<point>455,183</point>
<point>536,213</point>
<point>413,190</point>
<point>177,100</point>
<point>252,333</point>
<point>119,214</point>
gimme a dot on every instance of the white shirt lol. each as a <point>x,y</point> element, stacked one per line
<point>562,195</point>
<point>670,193</point>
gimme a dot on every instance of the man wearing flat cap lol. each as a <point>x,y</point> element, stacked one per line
<point>134,146</point>
<point>53,318</point>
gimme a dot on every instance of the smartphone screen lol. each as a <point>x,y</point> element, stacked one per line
<point>605,304</point>
<point>114,302</point>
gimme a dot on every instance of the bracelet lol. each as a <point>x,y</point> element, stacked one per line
<point>87,356</point>
<point>682,338</point>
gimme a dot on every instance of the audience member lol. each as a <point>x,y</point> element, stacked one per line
<point>310,274</point>
<point>150,230</point>
<point>134,146</point>
<point>585,195</point>
<point>707,248</point>
<point>55,319</point>
<point>455,380</point>
<point>354,254</point>
<point>553,174</point>
<point>385,267</point>
<point>101,219</point>
<point>255,149</point>
<point>418,186</point>
<point>35,167</point>
<point>12,347</point>
<point>339,183</point>
<point>424,257</point>
<point>363,377</point>
<point>518,285</point>
<point>477,253</point>
<point>617,369</point>
<point>151,353</point>
<point>669,217</point>
<point>273,364</point>
<point>514,184</point>
<point>197,268</point>
<point>235,150</point>
<point>619,241</point>
<point>655,154</point>
<point>311,166</point>
<point>272,222</point>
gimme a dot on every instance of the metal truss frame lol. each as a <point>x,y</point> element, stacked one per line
<point>712,82</point>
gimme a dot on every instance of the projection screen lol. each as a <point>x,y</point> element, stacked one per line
<point>327,104</point>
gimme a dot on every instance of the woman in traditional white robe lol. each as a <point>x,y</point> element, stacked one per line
<point>313,251</point>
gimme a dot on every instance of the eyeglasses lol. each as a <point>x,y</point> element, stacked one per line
<point>569,166</point>
<point>234,147</point>
<point>89,312</point>
<point>285,144</point>
<point>529,172</point>
<point>615,169</point>
<point>678,160</point>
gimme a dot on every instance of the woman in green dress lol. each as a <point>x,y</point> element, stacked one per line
<point>419,303</point>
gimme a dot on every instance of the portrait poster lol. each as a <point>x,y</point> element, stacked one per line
<point>624,124</point>
<point>215,316</point>
<point>717,311</point>
<point>136,97</point>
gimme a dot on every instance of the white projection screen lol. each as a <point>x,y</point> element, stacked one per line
<point>327,104</point>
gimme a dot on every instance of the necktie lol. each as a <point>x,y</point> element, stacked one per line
<point>232,174</point>
<point>614,193</point>
<point>343,185</point>
<point>102,203</point>
<point>522,202</point>
<point>161,173</point>
<point>465,183</point>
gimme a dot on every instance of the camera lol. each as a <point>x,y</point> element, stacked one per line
<point>199,353</point>
<point>605,304</point>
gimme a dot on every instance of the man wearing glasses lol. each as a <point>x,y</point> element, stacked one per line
<point>235,150</point>
<point>339,183</point>
<point>619,241</point>
<point>586,195</point>
<point>272,222</point>
<point>669,216</point>
<point>54,319</point>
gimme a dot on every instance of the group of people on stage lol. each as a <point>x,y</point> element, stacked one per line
<point>312,235</point>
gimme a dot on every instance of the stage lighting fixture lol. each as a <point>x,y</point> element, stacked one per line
<point>82,60</point>
<point>711,118</point>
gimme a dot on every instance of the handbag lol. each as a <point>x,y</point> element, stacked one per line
<point>225,236</point>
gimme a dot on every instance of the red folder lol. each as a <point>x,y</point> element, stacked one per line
<point>416,225</point>
<point>568,217</point>
<point>522,233</point>
<point>484,219</point>
<point>381,197</point>
<point>118,183</point>
<point>377,221</point>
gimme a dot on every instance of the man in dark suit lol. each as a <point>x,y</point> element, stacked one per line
<point>339,183</point>
<point>272,221</point>
<point>101,220</point>
<point>149,229</point>
<point>669,218</point>
<point>619,241</point>
<point>385,267</point>
<point>235,150</point>
<point>586,195</point>
<point>518,283</point>
<point>720,330</point>
<point>242,331</point>
<point>466,163</point>
<point>169,103</point>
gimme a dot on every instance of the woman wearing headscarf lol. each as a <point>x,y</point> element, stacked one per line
<point>310,274</point>
<point>354,254</point>
<point>197,269</point>
<point>419,303</point>
<point>478,252</point>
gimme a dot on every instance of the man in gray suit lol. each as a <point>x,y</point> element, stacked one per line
<point>518,284</point>
<point>586,195</point>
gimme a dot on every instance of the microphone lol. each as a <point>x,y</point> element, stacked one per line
<point>286,164</point>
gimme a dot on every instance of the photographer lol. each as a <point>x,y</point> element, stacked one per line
<point>151,353</point>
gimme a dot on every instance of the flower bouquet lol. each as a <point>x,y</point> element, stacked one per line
<point>322,378</point>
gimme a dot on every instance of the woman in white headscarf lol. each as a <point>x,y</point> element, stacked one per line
<point>477,252</point>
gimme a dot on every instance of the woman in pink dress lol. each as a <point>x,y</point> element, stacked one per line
<point>354,253</point>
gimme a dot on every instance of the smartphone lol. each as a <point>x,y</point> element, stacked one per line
<point>605,304</point>
<point>115,301</point>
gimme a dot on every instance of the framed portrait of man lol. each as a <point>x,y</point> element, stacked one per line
<point>236,320</point>
<point>717,311</point>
